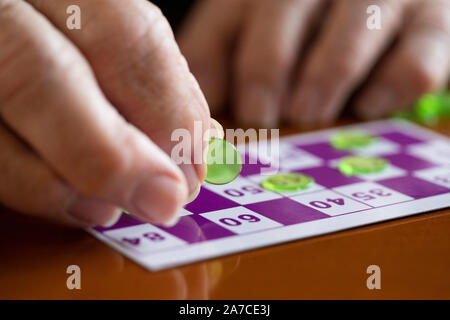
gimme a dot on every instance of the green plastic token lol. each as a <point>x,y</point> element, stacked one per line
<point>432,106</point>
<point>362,165</point>
<point>223,161</point>
<point>288,182</point>
<point>429,109</point>
<point>348,140</point>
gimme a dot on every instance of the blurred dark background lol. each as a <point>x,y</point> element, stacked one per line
<point>174,10</point>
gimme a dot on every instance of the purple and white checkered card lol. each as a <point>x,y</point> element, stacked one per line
<point>242,215</point>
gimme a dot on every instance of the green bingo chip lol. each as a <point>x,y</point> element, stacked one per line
<point>429,109</point>
<point>348,140</point>
<point>223,161</point>
<point>288,182</point>
<point>362,165</point>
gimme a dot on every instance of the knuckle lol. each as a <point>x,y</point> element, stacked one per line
<point>278,58</point>
<point>141,37</point>
<point>343,68</point>
<point>6,5</point>
<point>141,23</point>
<point>35,65</point>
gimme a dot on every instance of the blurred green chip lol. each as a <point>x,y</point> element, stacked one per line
<point>288,182</point>
<point>362,165</point>
<point>348,140</point>
<point>429,109</point>
<point>223,161</point>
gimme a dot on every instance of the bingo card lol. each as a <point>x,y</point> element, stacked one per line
<point>241,215</point>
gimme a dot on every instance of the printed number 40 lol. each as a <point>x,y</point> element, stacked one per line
<point>326,205</point>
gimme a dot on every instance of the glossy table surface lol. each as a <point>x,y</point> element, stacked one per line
<point>413,254</point>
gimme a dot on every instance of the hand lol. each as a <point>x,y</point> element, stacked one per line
<point>87,115</point>
<point>273,60</point>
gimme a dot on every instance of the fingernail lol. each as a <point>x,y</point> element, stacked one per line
<point>115,217</point>
<point>158,198</point>
<point>377,102</point>
<point>329,115</point>
<point>191,176</point>
<point>194,194</point>
<point>172,221</point>
<point>306,106</point>
<point>217,131</point>
<point>259,107</point>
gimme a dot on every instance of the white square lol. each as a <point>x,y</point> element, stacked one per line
<point>439,175</point>
<point>240,220</point>
<point>243,191</point>
<point>183,212</point>
<point>330,202</point>
<point>436,152</point>
<point>390,172</point>
<point>294,158</point>
<point>311,188</point>
<point>379,147</point>
<point>373,194</point>
<point>144,238</point>
<point>285,156</point>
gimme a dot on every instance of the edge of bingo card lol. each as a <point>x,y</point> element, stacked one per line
<point>373,127</point>
<point>220,247</point>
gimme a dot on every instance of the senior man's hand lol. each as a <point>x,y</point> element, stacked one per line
<point>86,115</point>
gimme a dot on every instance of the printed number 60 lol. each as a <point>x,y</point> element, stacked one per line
<point>234,222</point>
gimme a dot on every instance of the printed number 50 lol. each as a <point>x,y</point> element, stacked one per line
<point>238,193</point>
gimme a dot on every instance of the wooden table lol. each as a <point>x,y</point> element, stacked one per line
<point>413,254</point>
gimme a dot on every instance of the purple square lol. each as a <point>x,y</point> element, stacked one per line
<point>401,138</point>
<point>209,201</point>
<point>324,150</point>
<point>252,166</point>
<point>408,162</point>
<point>329,177</point>
<point>413,187</point>
<point>195,228</point>
<point>124,221</point>
<point>286,211</point>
